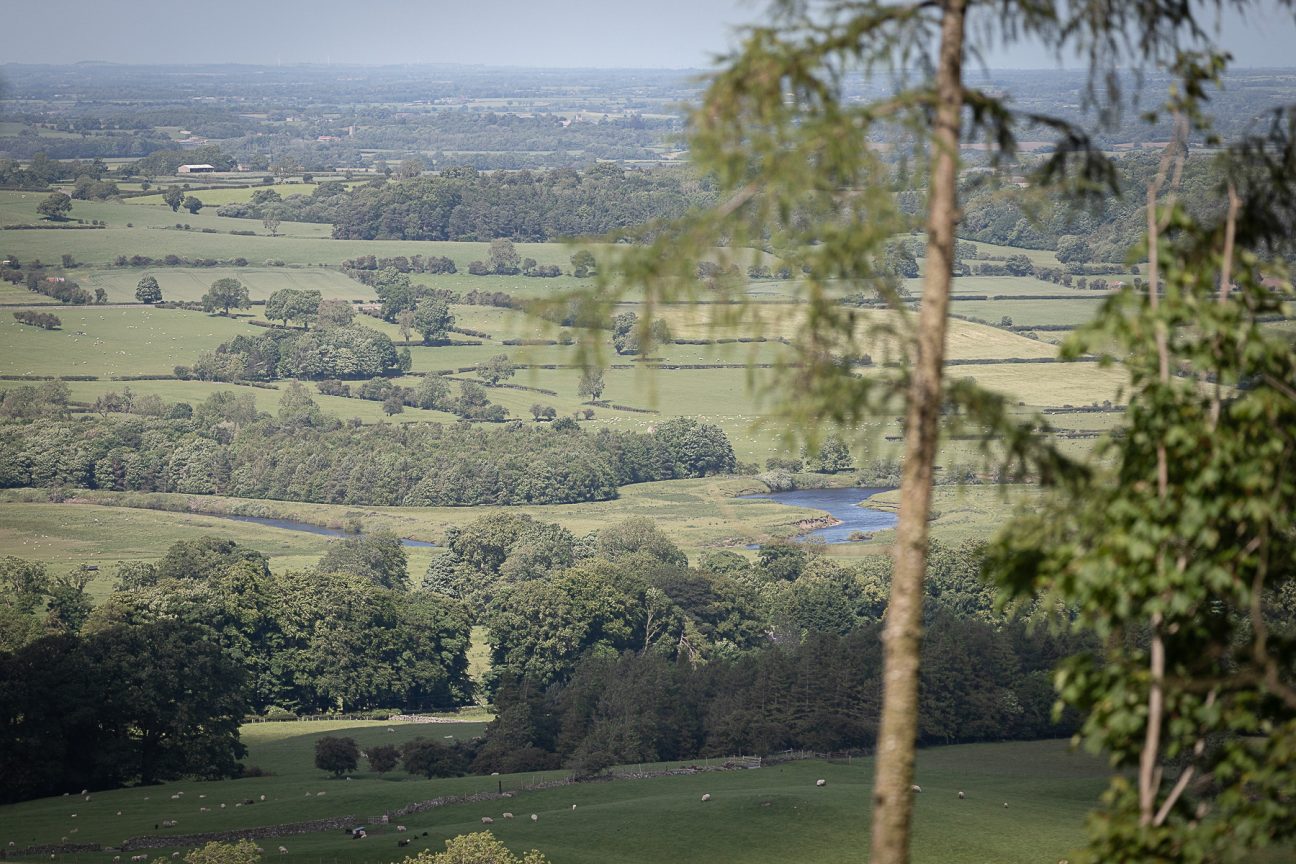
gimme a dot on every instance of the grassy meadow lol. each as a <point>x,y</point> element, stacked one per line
<point>772,814</point>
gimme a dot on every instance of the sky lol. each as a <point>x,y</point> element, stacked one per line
<point>553,33</point>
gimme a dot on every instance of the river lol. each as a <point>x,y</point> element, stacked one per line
<point>843,505</point>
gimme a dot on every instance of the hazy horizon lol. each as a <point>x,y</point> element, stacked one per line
<point>578,34</point>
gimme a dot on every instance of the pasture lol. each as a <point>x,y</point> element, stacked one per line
<point>191,283</point>
<point>772,814</point>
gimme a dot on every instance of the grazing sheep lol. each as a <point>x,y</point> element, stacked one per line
<point>204,809</point>
<point>283,850</point>
<point>961,795</point>
<point>535,818</point>
<point>319,794</point>
<point>262,797</point>
<point>486,820</point>
<point>706,796</point>
<point>821,782</point>
<point>116,859</point>
<point>573,806</point>
<point>508,815</point>
<point>175,797</point>
<point>85,791</point>
<point>400,829</point>
<point>222,806</point>
<point>260,851</point>
<point>118,812</point>
<point>1005,804</point>
<point>915,788</point>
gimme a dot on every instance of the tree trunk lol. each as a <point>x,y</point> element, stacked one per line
<point>892,798</point>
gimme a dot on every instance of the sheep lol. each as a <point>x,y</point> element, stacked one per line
<point>821,782</point>
<point>508,816</point>
<point>915,788</point>
<point>116,859</point>
<point>319,794</point>
<point>400,829</point>
<point>262,797</point>
<point>486,820</point>
<point>204,809</point>
<point>535,818</point>
<point>1005,805</point>
<point>283,850</point>
<point>706,796</point>
<point>961,795</point>
<point>175,797</point>
<point>118,812</point>
<point>573,806</point>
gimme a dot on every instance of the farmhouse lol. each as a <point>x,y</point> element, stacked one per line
<point>196,169</point>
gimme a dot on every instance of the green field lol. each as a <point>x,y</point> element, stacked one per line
<point>191,283</point>
<point>772,814</point>
<point>107,342</point>
<point>217,197</point>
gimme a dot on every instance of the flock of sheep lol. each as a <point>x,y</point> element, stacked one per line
<point>360,833</point>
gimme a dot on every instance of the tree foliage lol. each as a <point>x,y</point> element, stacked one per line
<point>1180,558</point>
<point>336,754</point>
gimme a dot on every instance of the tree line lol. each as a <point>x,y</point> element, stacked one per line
<point>463,204</point>
<point>225,447</point>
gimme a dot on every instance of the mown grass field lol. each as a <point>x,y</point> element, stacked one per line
<point>772,814</point>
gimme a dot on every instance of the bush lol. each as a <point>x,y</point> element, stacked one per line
<point>383,758</point>
<point>44,320</point>
<point>336,755</point>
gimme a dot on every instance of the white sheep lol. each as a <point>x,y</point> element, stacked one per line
<point>1005,805</point>
<point>116,859</point>
<point>535,818</point>
<point>706,796</point>
<point>915,788</point>
<point>118,812</point>
<point>283,850</point>
<point>508,815</point>
<point>573,806</point>
<point>821,782</point>
<point>319,794</point>
<point>262,797</point>
<point>486,820</point>
<point>204,809</point>
<point>961,795</point>
<point>400,829</point>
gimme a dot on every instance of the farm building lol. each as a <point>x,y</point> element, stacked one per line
<point>196,169</point>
